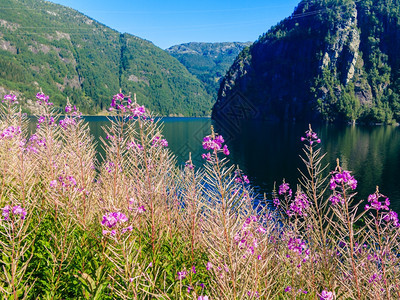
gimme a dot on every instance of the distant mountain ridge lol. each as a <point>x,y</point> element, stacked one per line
<point>49,46</point>
<point>212,50</point>
<point>333,60</point>
<point>208,61</point>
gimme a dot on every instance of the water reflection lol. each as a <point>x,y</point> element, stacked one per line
<point>372,153</point>
<point>269,152</point>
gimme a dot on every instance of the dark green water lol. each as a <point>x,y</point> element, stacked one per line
<point>269,152</point>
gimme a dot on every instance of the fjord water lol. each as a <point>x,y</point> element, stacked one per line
<point>269,152</point>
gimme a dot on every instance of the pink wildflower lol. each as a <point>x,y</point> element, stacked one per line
<point>299,205</point>
<point>11,99</point>
<point>53,183</point>
<point>343,177</point>
<point>285,189</point>
<point>141,209</point>
<point>138,111</point>
<point>225,150</point>
<point>182,275</point>
<point>206,156</point>
<point>325,295</point>
<point>112,219</point>
<point>213,144</point>
<point>16,210</point>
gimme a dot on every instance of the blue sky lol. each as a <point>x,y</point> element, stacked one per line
<point>171,22</point>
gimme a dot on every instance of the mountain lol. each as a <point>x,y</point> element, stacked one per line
<point>208,61</point>
<point>49,46</point>
<point>334,60</point>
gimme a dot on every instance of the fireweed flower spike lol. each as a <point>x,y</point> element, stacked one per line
<point>158,141</point>
<point>118,97</point>
<point>276,201</point>
<point>182,274</point>
<point>43,99</point>
<point>299,205</point>
<point>141,210</point>
<point>336,198</point>
<point>6,212</point>
<point>325,295</point>
<point>206,156</point>
<point>225,150</point>
<point>65,123</point>
<point>138,111</point>
<point>285,189</point>
<point>113,221</point>
<point>340,176</point>
<point>210,143</point>
<point>240,178</point>
<point>17,211</point>
<point>133,145</point>
<point>189,163</point>
<point>215,143</point>
<point>311,137</point>
<point>72,110</point>
<point>392,216</point>
<point>11,98</point>
<point>374,202</point>
<point>10,132</point>
<point>340,181</point>
<point>298,247</point>
<point>124,105</point>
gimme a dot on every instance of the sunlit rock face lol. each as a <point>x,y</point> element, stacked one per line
<point>330,60</point>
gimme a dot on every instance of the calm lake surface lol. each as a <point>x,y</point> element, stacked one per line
<point>269,152</point>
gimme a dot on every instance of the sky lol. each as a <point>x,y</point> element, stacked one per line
<point>171,22</point>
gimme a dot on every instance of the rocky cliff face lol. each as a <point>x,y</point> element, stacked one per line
<point>329,60</point>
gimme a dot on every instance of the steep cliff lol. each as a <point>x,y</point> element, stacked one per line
<point>331,60</point>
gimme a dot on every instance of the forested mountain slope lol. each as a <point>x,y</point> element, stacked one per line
<point>49,46</point>
<point>208,61</point>
<point>335,60</point>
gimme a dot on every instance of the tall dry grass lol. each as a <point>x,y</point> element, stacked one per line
<point>137,226</point>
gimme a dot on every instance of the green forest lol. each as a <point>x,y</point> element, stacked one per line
<point>67,54</point>
<point>208,61</point>
<point>333,60</point>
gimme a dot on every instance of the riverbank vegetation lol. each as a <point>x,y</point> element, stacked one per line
<point>136,226</point>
